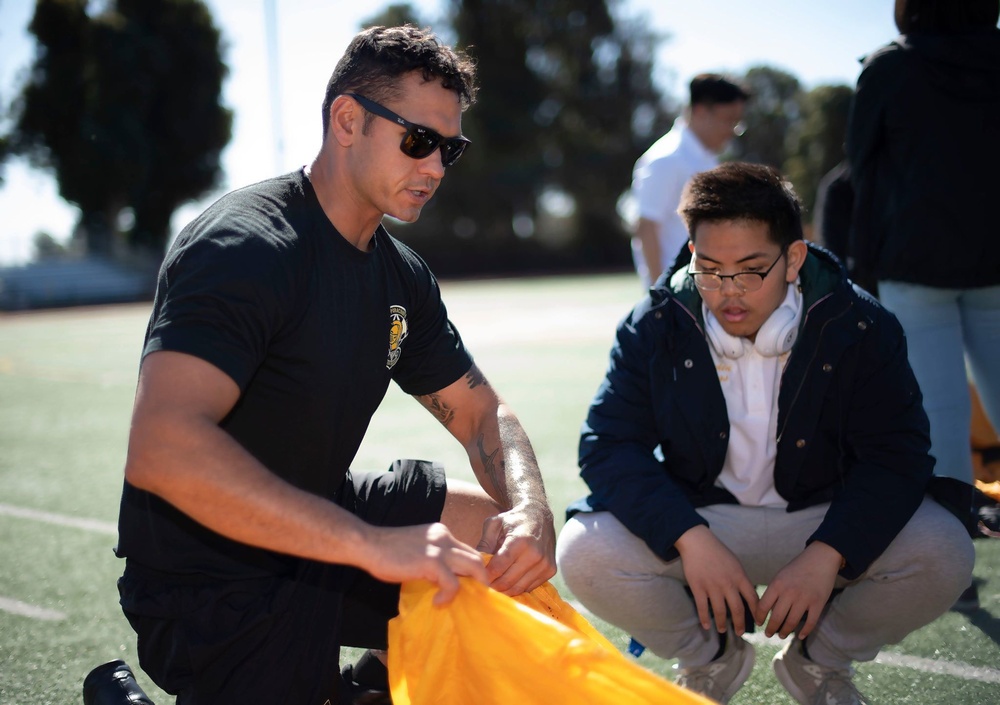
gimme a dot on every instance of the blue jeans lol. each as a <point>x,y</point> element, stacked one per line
<point>947,329</point>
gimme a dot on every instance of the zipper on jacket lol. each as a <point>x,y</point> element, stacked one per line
<point>809,365</point>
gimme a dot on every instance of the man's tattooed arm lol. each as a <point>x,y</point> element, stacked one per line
<point>434,404</point>
<point>444,412</point>
<point>475,378</point>
<point>493,466</point>
<point>498,448</point>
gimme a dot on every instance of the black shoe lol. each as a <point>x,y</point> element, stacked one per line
<point>968,601</point>
<point>367,681</point>
<point>113,684</point>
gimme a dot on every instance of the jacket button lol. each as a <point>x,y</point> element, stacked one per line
<point>862,325</point>
<point>722,435</point>
<point>689,363</point>
<point>801,443</point>
<point>658,315</point>
<point>828,367</point>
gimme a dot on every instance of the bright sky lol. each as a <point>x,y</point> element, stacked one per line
<point>819,41</point>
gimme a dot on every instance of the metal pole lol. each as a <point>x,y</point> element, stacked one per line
<point>274,79</point>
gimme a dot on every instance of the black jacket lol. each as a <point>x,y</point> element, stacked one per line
<point>924,147</point>
<point>851,424</point>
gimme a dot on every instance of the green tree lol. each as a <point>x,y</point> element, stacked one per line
<point>769,116</point>
<point>816,143</point>
<point>124,107</point>
<point>566,106</point>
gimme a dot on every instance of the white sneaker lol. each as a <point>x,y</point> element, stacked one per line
<point>812,684</point>
<point>720,679</point>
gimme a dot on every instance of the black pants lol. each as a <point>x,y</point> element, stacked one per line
<point>277,639</point>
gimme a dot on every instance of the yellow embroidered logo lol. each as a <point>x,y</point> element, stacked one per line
<point>397,334</point>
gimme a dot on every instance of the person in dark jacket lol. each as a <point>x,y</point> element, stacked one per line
<point>759,425</point>
<point>922,142</point>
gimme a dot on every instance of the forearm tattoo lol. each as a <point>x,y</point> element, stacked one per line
<point>495,473</point>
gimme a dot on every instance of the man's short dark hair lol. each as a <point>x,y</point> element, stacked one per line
<point>712,88</point>
<point>378,57</point>
<point>948,16</point>
<point>743,192</point>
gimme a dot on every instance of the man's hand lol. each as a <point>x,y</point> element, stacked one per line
<point>425,552</point>
<point>800,589</point>
<point>522,541</point>
<point>716,578</point>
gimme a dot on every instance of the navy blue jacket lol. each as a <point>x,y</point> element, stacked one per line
<point>851,426</point>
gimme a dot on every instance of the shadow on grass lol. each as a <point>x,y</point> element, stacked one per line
<point>987,623</point>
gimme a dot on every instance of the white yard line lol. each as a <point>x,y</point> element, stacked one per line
<point>927,665</point>
<point>886,658</point>
<point>948,668</point>
<point>23,609</point>
<point>95,525</point>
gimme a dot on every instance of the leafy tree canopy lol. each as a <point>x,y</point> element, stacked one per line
<point>123,106</point>
<point>566,106</point>
<point>817,139</point>
<point>769,115</point>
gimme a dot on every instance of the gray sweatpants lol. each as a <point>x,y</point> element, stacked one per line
<point>618,578</point>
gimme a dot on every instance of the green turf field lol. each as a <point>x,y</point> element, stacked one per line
<point>66,385</point>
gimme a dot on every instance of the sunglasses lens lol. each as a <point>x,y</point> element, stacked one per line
<point>451,150</point>
<point>418,142</point>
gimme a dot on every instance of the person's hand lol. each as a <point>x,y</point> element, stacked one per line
<point>800,589</point>
<point>425,552</point>
<point>523,543</point>
<point>716,578</point>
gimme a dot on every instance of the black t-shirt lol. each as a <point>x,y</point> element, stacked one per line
<point>312,329</point>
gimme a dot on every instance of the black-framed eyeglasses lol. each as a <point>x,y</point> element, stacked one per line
<point>418,141</point>
<point>744,281</point>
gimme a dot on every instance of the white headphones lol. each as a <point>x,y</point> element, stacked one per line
<point>775,337</point>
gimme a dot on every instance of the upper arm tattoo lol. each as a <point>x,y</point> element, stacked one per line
<point>442,412</point>
<point>475,378</point>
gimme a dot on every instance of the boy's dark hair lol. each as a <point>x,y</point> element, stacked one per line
<point>712,88</point>
<point>743,192</point>
<point>948,16</point>
<point>378,57</point>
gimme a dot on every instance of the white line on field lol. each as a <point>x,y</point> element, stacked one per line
<point>889,658</point>
<point>947,668</point>
<point>95,525</point>
<point>958,670</point>
<point>886,658</point>
<point>23,609</point>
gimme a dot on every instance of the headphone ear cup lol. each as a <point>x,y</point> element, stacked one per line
<point>778,334</point>
<point>724,344</point>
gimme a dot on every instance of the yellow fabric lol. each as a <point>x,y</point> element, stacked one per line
<point>489,649</point>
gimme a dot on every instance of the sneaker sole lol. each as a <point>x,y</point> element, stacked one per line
<point>745,669</point>
<point>785,678</point>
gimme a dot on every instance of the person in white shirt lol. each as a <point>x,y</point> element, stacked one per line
<point>693,144</point>
<point>759,424</point>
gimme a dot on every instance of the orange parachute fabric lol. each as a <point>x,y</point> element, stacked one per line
<point>486,648</point>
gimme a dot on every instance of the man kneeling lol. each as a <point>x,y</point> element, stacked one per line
<point>759,425</point>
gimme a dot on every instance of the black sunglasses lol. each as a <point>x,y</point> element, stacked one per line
<point>418,141</point>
